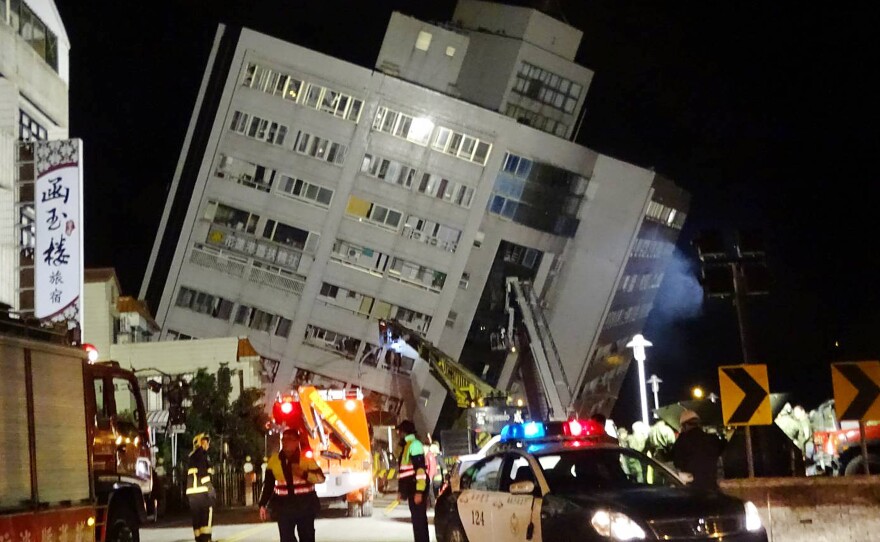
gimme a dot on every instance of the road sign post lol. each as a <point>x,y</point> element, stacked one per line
<point>857,395</point>
<point>745,400</point>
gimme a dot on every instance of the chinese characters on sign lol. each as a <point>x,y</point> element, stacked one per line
<point>58,254</point>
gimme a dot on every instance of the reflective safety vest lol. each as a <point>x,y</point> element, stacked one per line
<point>198,475</point>
<point>299,486</point>
<point>412,476</point>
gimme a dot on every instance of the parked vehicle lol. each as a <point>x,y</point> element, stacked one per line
<point>837,445</point>
<point>75,443</point>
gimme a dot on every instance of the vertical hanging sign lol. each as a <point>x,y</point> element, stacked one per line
<point>58,257</point>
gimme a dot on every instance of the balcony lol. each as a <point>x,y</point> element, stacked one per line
<point>255,272</point>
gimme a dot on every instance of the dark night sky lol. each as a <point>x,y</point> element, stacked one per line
<point>762,111</point>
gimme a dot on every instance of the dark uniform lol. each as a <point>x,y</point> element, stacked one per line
<point>412,479</point>
<point>200,490</point>
<point>289,493</point>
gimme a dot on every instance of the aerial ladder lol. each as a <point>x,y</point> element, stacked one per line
<point>465,388</point>
<point>531,349</point>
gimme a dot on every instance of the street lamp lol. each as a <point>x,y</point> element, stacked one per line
<point>655,382</point>
<point>697,392</point>
<point>638,344</point>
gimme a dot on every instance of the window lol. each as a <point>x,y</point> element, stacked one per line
<point>329,290</point>
<point>32,29</point>
<point>536,120</point>
<point>415,129</point>
<point>283,329</point>
<point>306,191</point>
<point>450,319</point>
<point>231,217</point>
<point>128,413</point>
<point>376,214</point>
<point>320,148</point>
<point>324,338</point>
<point>245,173</point>
<point>484,476</point>
<point>29,129</point>
<point>426,183</point>
<point>450,51</point>
<point>413,273</point>
<point>462,146</point>
<point>546,87</point>
<point>286,235</point>
<point>423,42</point>
<point>432,233</point>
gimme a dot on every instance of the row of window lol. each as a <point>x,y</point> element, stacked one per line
<point>275,133</point>
<point>258,128</point>
<point>665,215</point>
<point>416,228</point>
<point>620,317</point>
<point>380,264</point>
<point>547,87</point>
<point>371,307</point>
<point>418,130</point>
<point>307,94</point>
<point>262,178</point>
<point>645,281</point>
<point>222,309</point>
<point>429,184</point>
<point>423,43</point>
<point>649,248</point>
<point>536,120</point>
<point>34,31</point>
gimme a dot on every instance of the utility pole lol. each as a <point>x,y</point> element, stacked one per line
<point>736,274</point>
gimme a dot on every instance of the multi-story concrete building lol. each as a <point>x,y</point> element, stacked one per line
<point>34,77</point>
<point>314,197</point>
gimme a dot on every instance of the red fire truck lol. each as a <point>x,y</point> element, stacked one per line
<point>76,457</point>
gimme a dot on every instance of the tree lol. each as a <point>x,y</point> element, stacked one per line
<point>239,424</point>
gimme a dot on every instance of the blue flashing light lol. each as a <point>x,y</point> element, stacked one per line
<point>533,430</point>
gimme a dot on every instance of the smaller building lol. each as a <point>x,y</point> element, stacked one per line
<point>123,330</point>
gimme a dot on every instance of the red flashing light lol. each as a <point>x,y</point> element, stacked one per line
<point>310,454</point>
<point>575,428</point>
<point>286,407</point>
<point>91,352</point>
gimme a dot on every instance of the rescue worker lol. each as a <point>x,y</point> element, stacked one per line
<point>436,470</point>
<point>412,479</point>
<point>697,452</point>
<point>288,495</point>
<point>661,437</point>
<point>199,489</point>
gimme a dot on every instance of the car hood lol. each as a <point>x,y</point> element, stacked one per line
<point>652,503</point>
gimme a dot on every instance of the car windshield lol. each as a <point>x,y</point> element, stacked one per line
<point>601,469</point>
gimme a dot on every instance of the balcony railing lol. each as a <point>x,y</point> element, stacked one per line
<point>236,267</point>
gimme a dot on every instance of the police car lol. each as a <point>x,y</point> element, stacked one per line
<point>560,481</point>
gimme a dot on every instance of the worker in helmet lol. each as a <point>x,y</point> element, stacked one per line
<point>199,489</point>
<point>697,452</point>
<point>288,495</point>
<point>412,479</point>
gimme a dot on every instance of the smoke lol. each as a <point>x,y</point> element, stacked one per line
<point>680,296</point>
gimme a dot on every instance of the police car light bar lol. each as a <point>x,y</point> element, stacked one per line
<point>567,430</point>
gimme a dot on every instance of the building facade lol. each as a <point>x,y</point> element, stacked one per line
<point>314,197</point>
<point>34,77</point>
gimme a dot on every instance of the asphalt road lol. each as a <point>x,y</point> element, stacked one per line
<point>243,525</point>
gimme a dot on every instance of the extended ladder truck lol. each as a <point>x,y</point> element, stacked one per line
<point>531,353</point>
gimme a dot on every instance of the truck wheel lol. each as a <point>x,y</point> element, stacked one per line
<point>367,509</point>
<point>856,465</point>
<point>354,510</point>
<point>122,526</point>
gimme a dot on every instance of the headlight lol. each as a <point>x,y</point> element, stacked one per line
<point>753,518</point>
<point>616,526</point>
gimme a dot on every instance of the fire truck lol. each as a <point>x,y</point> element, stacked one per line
<point>837,444</point>
<point>333,428</point>
<point>76,455</point>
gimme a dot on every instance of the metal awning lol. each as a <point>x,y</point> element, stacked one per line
<point>157,419</point>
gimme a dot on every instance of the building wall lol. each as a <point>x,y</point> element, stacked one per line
<point>609,222</point>
<point>30,85</point>
<point>99,311</point>
<point>435,67</point>
<point>519,22</point>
